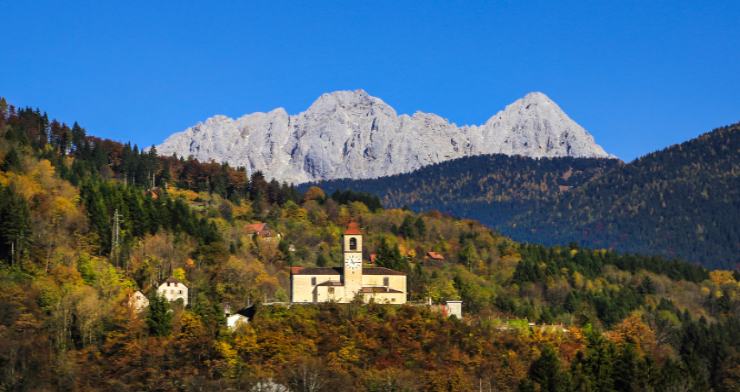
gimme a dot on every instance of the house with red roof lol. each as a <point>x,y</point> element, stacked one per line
<point>436,256</point>
<point>261,229</point>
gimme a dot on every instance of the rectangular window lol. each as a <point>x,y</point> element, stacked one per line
<point>313,281</point>
<point>386,281</point>
<point>331,290</point>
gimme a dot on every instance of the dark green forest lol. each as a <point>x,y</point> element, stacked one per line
<point>681,202</point>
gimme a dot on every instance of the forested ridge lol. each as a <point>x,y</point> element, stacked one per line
<point>490,188</point>
<point>683,201</point>
<point>602,320</point>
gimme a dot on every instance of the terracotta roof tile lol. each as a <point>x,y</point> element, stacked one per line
<point>333,283</point>
<point>353,229</point>
<point>368,290</point>
<point>435,256</point>
<point>338,271</point>
<point>380,271</point>
<point>254,227</point>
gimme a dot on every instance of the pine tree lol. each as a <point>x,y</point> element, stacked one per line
<point>421,228</point>
<point>11,162</point>
<point>15,227</point>
<point>159,318</point>
<point>407,227</point>
<point>546,372</point>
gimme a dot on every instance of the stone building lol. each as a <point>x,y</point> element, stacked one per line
<point>343,284</point>
<point>172,289</point>
<point>138,301</point>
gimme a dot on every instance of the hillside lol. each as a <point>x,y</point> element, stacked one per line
<point>604,321</point>
<point>350,134</point>
<point>683,201</point>
<point>489,188</point>
<point>679,202</point>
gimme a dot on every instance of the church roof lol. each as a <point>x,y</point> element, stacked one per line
<point>380,271</point>
<point>353,229</point>
<point>338,271</point>
<point>379,290</point>
<point>316,271</point>
<point>333,283</point>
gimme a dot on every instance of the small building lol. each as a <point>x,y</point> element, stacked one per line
<point>138,301</point>
<point>344,284</point>
<point>242,316</point>
<point>435,256</point>
<point>262,230</point>
<point>448,309</point>
<point>454,308</point>
<point>172,289</point>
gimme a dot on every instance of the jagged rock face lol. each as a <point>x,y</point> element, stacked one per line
<point>350,134</point>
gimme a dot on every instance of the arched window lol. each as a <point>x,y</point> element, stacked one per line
<point>353,243</point>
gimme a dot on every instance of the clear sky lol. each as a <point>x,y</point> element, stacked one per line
<point>639,75</point>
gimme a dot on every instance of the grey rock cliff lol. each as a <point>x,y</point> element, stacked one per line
<point>350,134</point>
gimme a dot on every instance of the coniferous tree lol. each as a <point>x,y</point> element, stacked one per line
<point>11,162</point>
<point>15,228</point>
<point>547,373</point>
<point>407,227</point>
<point>159,316</point>
<point>420,226</point>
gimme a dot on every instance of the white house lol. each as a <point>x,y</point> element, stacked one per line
<point>138,301</point>
<point>172,289</point>
<point>454,308</point>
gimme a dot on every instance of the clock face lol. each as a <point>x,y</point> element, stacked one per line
<point>353,260</point>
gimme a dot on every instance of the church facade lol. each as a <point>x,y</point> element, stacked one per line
<point>343,284</point>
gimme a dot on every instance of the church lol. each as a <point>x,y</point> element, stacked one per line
<point>343,284</point>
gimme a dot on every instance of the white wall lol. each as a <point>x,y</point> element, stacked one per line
<point>173,292</point>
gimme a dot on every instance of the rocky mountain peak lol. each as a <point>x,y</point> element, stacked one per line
<point>342,99</point>
<point>351,134</point>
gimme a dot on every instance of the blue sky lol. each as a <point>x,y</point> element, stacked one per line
<point>639,75</point>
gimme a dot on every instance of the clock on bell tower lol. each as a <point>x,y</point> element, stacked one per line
<point>352,249</point>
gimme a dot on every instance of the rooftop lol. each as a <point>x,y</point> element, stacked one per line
<point>435,255</point>
<point>367,290</point>
<point>353,229</point>
<point>338,271</point>
<point>255,227</point>
<point>172,280</point>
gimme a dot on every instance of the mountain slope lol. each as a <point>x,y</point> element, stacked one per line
<point>489,188</point>
<point>350,134</point>
<point>682,202</point>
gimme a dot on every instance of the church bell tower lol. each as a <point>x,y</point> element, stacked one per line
<point>352,249</point>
